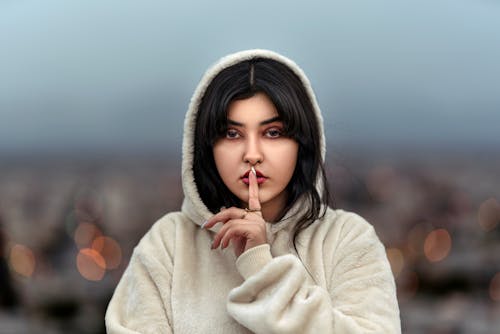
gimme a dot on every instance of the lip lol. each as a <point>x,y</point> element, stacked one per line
<point>259,174</point>
<point>260,177</point>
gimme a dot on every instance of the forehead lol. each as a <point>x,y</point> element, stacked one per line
<point>252,110</point>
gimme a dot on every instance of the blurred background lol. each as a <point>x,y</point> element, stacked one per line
<point>92,99</point>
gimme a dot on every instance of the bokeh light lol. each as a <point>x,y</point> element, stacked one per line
<point>110,251</point>
<point>489,214</point>
<point>90,264</point>
<point>85,234</point>
<point>416,237</point>
<point>396,259</point>
<point>437,245</point>
<point>22,260</point>
<point>495,288</point>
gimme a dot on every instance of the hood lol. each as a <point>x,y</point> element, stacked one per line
<point>192,205</point>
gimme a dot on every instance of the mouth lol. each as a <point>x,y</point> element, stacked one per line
<point>260,177</point>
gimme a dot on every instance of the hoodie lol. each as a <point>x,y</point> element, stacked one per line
<point>338,280</point>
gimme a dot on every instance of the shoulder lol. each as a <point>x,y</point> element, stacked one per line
<point>167,223</point>
<point>161,235</point>
<point>351,234</point>
<point>343,223</point>
<point>339,229</point>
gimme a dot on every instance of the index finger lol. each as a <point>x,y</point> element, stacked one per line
<point>253,191</point>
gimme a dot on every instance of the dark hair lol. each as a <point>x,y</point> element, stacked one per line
<point>285,89</point>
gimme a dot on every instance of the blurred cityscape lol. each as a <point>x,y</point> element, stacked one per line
<point>68,226</point>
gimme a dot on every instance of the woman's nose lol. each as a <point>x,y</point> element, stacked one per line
<point>253,153</point>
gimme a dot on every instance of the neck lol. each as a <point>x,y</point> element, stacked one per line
<point>270,214</point>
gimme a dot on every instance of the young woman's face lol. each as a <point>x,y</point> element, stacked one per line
<point>255,137</point>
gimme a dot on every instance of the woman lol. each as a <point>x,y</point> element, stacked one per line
<point>255,247</point>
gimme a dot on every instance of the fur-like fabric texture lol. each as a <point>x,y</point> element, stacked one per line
<point>339,281</point>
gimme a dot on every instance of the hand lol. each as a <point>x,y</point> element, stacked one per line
<point>243,229</point>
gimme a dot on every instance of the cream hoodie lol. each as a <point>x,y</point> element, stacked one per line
<point>339,282</point>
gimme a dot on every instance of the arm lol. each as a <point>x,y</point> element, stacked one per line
<point>141,301</point>
<point>276,296</point>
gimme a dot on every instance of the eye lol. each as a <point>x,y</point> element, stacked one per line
<point>273,133</point>
<point>232,134</point>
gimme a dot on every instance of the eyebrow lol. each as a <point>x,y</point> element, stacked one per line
<point>267,121</point>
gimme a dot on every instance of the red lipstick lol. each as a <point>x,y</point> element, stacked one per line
<point>260,177</point>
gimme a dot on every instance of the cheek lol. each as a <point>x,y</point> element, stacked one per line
<point>292,161</point>
<point>218,158</point>
<point>285,159</point>
<point>223,161</point>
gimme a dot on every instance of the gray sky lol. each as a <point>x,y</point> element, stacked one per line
<point>118,74</point>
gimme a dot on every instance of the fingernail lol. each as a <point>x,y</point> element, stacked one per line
<point>204,223</point>
<point>253,171</point>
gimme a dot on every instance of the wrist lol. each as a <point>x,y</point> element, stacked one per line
<point>252,244</point>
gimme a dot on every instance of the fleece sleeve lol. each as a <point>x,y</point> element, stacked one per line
<point>359,296</point>
<point>141,301</point>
